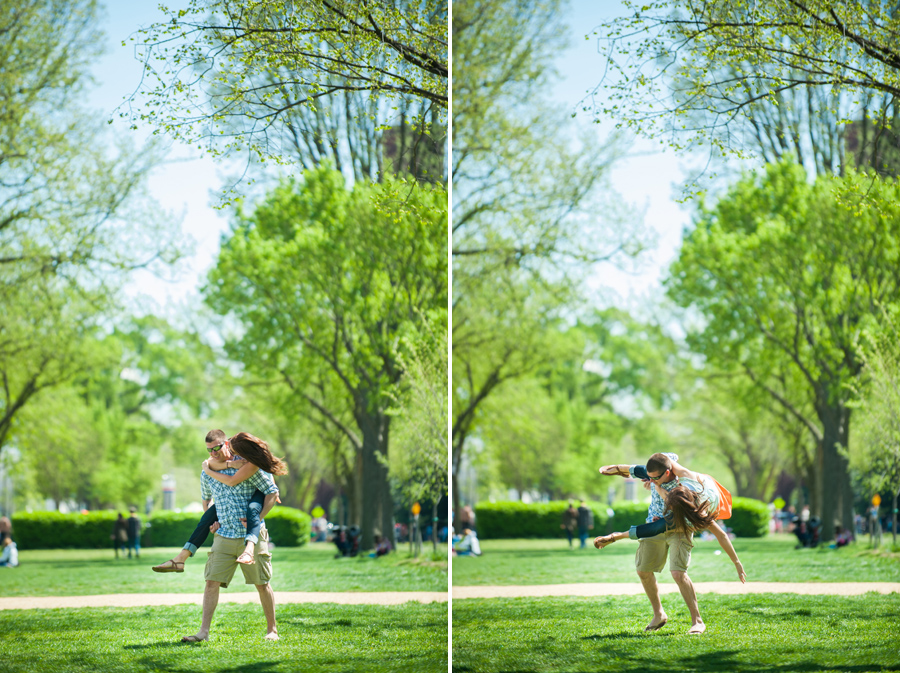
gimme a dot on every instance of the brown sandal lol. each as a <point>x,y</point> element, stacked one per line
<point>246,555</point>
<point>176,567</point>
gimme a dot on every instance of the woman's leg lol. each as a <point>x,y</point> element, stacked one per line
<point>254,523</point>
<point>198,537</point>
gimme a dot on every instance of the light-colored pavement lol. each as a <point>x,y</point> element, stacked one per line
<point>634,588</point>
<point>459,593</point>
<point>135,600</point>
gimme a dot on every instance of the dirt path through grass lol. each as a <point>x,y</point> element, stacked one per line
<point>630,589</point>
<point>138,600</point>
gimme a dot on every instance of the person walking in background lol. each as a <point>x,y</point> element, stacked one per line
<point>467,518</point>
<point>569,521</point>
<point>134,533</point>
<point>120,534</point>
<point>10,556</point>
<point>5,528</point>
<point>585,523</point>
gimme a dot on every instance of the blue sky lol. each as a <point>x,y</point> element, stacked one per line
<point>648,177</point>
<point>185,185</point>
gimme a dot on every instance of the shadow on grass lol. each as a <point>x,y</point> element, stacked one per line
<point>712,662</point>
<point>161,643</point>
<point>624,634</point>
<point>245,667</point>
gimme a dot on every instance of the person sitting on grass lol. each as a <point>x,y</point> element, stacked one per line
<point>469,545</point>
<point>10,556</point>
<point>226,467</point>
<point>382,547</point>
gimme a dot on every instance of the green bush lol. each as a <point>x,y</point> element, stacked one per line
<point>55,530</point>
<point>496,520</point>
<point>749,518</point>
<point>628,514</point>
<point>288,527</point>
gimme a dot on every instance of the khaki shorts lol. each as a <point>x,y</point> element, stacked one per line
<point>652,552</point>
<point>222,560</point>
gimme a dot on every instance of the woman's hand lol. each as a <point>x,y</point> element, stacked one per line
<point>238,464</point>
<point>602,540</point>
<point>205,465</point>
<point>740,571</point>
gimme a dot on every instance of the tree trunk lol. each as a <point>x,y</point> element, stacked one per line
<point>375,491</point>
<point>837,497</point>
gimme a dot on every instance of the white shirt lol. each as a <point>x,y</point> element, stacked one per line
<point>10,555</point>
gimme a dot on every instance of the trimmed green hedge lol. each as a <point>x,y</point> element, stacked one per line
<point>288,527</point>
<point>749,518</point>
<point>513,519</point>
<point>628,514</point>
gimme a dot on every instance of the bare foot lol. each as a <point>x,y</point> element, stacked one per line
<point>200,637</point>
<point>697,629</point>
<point>273,635</point>
<point>657,623</point>
<point>246,558</point>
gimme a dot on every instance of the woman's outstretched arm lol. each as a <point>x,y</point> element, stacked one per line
<point>246,471</point>
<point>725,543</point>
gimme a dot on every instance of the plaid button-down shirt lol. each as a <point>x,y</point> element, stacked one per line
<point>657,505</point>
<point>231,501</point>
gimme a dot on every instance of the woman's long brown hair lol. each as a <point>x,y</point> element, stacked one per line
<point>256,451</point>
<point>689,513</point>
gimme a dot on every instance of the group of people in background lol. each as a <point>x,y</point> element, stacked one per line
<point>127,534</point>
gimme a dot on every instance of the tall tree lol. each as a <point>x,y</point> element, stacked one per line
<point>784,272</point>
<point>879,411</point>
<point>419,456</point>
<point>323,279</point>
<point>526,199</point>
<point>73,218</point>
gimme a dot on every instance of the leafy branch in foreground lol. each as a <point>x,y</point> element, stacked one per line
<point>230,70</point>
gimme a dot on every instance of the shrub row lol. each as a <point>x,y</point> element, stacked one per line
<point>288,527</point>
<point>496,520</point>
<point>503,520</point>
<point>749,517</point>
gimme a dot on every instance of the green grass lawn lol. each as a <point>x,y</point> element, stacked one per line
<point>78,572</point>
<point>769,559</point>
<point>753,633</point>
<point>322,638</point>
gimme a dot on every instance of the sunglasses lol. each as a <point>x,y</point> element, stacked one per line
<point>659,477</point>
<point>213,450</point>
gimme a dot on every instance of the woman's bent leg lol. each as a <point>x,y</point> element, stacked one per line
<point>201,532</point>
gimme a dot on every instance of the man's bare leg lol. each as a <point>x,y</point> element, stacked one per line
<point>210,601</point>
<point>267,598</point>
<point>648,579</point>
<point>690,598</point>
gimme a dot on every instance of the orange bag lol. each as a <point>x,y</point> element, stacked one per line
<point>724,511</point>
